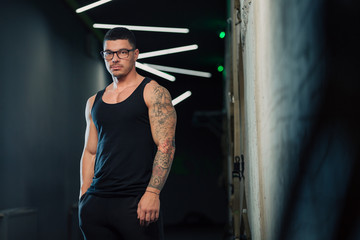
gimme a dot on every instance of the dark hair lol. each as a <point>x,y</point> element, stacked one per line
<point>121,33</point>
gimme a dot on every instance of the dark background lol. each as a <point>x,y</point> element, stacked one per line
<point>50,66</point>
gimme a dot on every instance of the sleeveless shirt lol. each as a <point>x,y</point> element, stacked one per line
<point>126,150</point>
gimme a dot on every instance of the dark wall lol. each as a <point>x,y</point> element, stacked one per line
<point>323,202</point>
<point>46,75</point>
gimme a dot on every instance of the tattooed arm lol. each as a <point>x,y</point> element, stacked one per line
<point>162,117</point>
<point>162,120</point>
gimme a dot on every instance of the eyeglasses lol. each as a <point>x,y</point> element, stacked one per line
<point>122,53</point>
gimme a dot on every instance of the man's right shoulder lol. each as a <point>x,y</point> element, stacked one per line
<point>90,102</point>
<point>92,98</point>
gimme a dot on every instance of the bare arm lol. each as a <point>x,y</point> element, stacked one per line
<point>162,117</point>
<point>88,156</point>
<point>162,121</point>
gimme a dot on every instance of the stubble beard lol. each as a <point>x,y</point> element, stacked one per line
<point>123,73</point>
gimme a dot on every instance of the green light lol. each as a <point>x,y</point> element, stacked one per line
<point>222,34</point>
<point>220,68</point>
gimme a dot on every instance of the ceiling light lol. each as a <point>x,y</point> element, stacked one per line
<point>181,98</point>
<point>180,70</point>
<point>167,51</point>
<point>92,5</point>
<point>154,71</point>
<point>143,28</point>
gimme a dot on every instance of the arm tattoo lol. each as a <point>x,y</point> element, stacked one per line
<point>163,121</point>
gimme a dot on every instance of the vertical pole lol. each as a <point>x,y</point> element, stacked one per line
<point>239,198</point>
<point>238,185</point>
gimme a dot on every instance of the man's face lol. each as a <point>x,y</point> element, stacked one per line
<point>120,67</point>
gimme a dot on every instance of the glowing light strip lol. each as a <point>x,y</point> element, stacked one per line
<point>181,98</point>
<point>180,70</point>
<point>168,51</point>
<point>92,5</point>
<point>154,71</point>
<point>143,28</point>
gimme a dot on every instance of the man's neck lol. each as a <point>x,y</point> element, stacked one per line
<point>126,81</point>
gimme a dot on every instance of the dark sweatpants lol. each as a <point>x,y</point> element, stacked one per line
<point>115,218</point>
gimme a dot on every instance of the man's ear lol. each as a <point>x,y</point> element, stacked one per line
<point>136,53</point>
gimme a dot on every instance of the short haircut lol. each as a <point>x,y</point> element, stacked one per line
<point>121,33</point>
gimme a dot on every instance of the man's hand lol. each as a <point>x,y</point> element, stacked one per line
<point>148,208</point>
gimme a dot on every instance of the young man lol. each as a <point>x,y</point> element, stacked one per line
<point>129,148</point>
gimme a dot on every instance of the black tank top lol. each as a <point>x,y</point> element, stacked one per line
<point>126,150</point>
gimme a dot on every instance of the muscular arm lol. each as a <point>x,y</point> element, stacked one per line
<point>163,121</point>
<point>162,117</point>
<point>88,156</point>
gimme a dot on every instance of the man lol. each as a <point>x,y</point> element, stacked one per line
<point>129,148</point>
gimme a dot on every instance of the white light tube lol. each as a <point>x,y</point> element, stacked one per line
<point>181,98</point>
<point>180,70</point>
<point>143,28</point>
<point>154,71</point>
<point>168,51</point>
<point>92,5</point>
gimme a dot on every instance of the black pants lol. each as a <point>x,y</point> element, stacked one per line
<point>115,219</point>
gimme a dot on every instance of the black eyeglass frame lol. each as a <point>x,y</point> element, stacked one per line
<point>117,53</point>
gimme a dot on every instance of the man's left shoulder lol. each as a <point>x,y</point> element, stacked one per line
<point>154,92</point>
<point>154,89</point>
<point>151,85</point>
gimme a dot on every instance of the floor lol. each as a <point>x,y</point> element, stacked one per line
<point>210,232</point>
